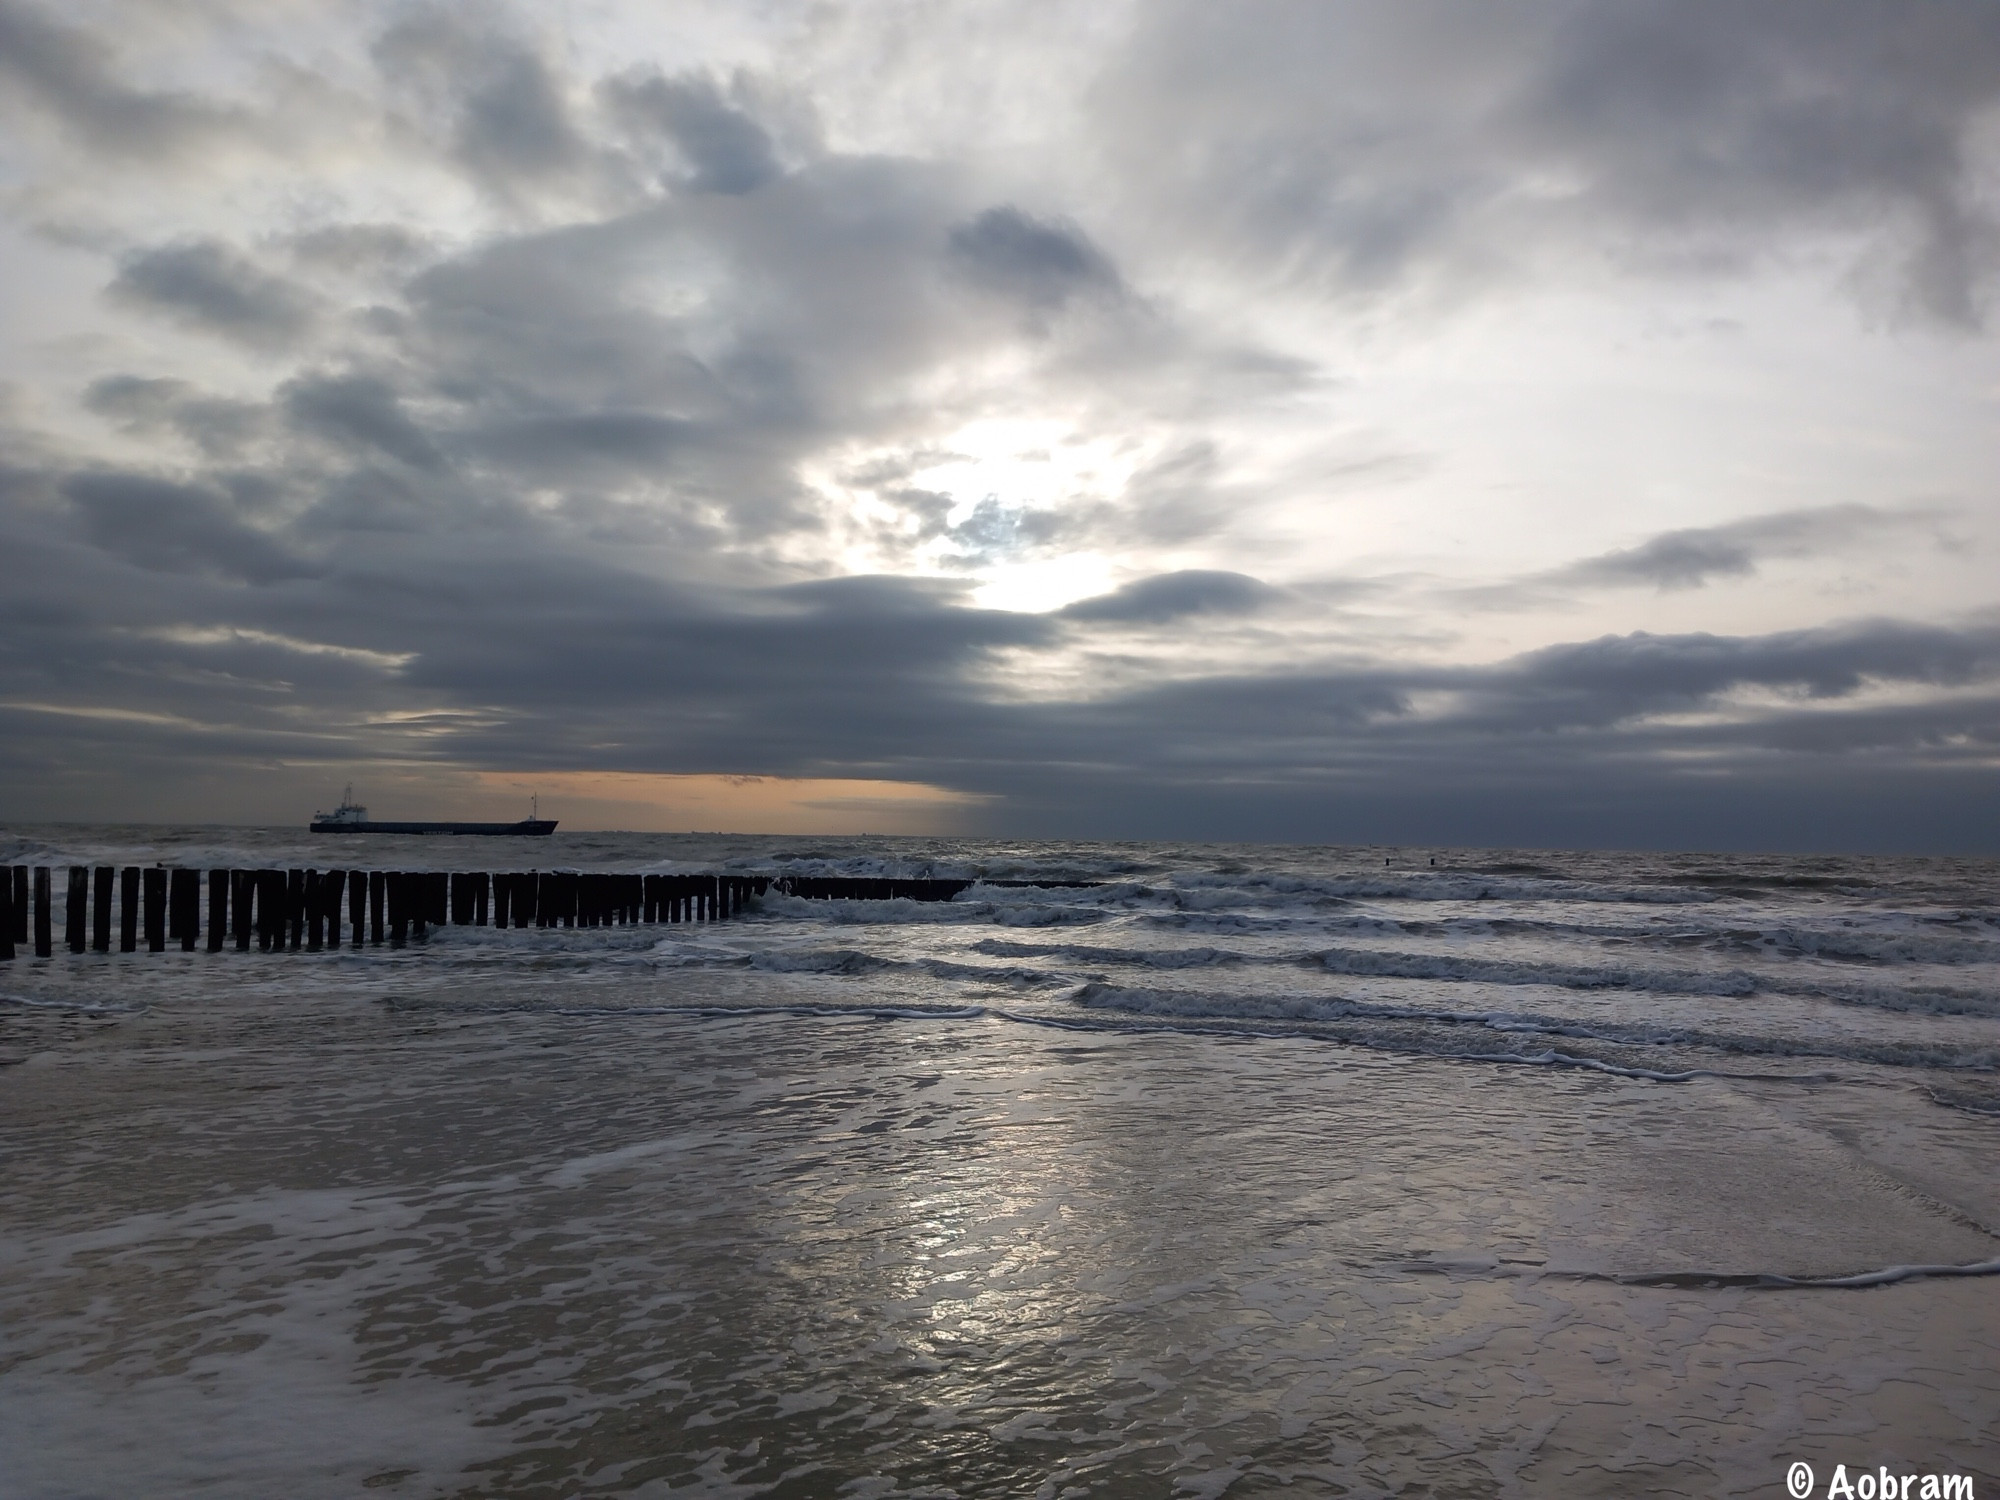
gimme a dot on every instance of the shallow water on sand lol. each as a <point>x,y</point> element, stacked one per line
<point>1251,1172</point>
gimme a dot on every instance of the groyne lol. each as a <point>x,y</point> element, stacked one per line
<point>310,910</point>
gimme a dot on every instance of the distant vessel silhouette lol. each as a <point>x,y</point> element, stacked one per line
<point>351,817</point>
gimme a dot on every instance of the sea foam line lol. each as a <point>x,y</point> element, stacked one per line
<point>1703,1280</point>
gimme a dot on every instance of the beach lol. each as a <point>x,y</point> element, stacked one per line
<point>1245,1171</point>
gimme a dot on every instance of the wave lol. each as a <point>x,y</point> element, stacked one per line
<point>1097,994</point>
<point>1770,1280</point>
<point>1466,968</point>
<point>1739,983</point>
<point>1026,908</point>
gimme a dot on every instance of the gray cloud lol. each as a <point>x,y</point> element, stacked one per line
<point>557,461</point>
<point>723,148</point>
<point>209,286</point>
<point>359,412</point>
<point>220,427</point>
<point>1385,147</point>
<point>1691,557</point>
<point>502,102</point>
<point>1043,264</point>
<point>156,524</point>
<point>1174,596</point>
<point>71,76</point>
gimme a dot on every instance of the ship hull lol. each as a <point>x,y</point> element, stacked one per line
<point>526,828</point>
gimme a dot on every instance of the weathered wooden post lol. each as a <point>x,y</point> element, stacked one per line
<point>181,922</point>
<point>293,932</point>
<point>333,885</point>
<point>101,911</point>
<point>44,937</point>
<point>241,895</point>
<point>7,915</point>
<point>378,887</point>
<point>21,904</point>
<point>156,909</point>
<point>76,910</point>
<point>315,903</point>
<point>218,909</point>
<point>270,885</point>
<point>277,895</point>
<point>357,905</point>
<point>479,895</point>
<point>128,909</point>
<point>185,893</point>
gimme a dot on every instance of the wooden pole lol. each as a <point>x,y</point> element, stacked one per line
<point>44,938</point>
<point>333,884</point>
<point>7,915</point>
<point>241,894</point>
<point>315,904</point>
<point>101,911</point>
<point>190,905</point>
<point>357,905</point>
<point>295,910</point>
<point>156,909</point>
<point>21,904</point>
<point>218,909</point>
<point>378,885</point>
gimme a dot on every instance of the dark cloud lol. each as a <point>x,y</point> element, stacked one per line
<point>723,148</point>
<point>546,499</point>
<point>71,76</point>
<point>219,426</point>
<point>1691,557</point>
<point>359,412</point>
<point>1692,118</point>
<point>1385,147</point>
<point>1044,264</point>
<point>501,100</point>
<point>1173,596</point>
<point>209,286</point>
<point>156,524</point>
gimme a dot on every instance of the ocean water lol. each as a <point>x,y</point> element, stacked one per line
<point>1247,1171</point>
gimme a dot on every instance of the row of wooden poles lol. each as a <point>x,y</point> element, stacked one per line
<point>302,909</point>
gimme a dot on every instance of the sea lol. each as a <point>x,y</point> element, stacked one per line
<point>1242,1170</point>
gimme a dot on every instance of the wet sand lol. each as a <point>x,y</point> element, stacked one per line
<point>274,1242</point>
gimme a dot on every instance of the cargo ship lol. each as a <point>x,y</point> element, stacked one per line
<point>350,817</point>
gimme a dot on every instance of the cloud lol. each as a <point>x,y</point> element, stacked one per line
<point>220,427</point>
<point>597,387</point>
<point>69,75</point>
<point>210,287</point>
<point>359,412</point>
<point>1384,149</point>
<point>1167,597</point>
<point>1692,557</point>
<point>1042,264</point>
<point>157,524</point>
<point>502,102</point>
<point>723,148</point>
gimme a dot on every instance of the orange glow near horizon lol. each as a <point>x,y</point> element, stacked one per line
<point>642,802</point>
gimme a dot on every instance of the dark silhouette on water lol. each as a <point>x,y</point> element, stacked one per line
<point>350,817</point>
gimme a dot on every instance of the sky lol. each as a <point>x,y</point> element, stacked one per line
<point>1554,424</point>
